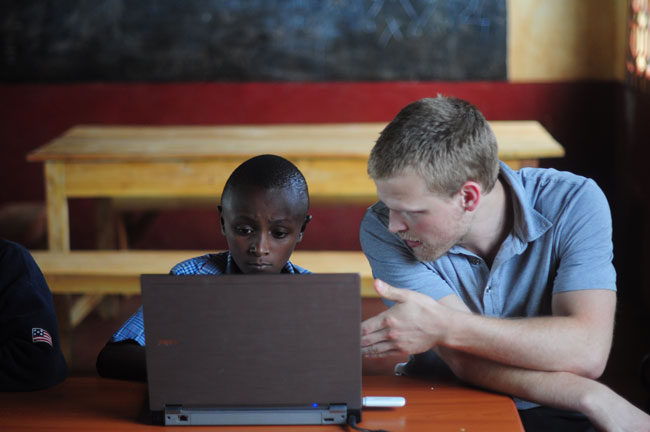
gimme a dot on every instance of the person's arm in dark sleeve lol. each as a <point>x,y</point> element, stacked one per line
<point>123,357</point>
<point>122,360</point>
<point>30,353</point>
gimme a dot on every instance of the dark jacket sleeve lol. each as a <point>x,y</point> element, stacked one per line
<point>124,360</point>
<point>30,353</point>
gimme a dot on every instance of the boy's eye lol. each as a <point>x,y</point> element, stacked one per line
<point>243,230</point>
<point>280,234</point>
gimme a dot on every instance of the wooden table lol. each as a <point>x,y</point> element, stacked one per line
<point>91,404</point>
<point>193,162</point>
<point>158,166</point>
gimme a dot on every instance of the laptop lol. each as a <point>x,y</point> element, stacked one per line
<point>253,349</point>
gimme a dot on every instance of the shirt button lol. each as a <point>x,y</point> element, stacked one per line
<point>475,261</point>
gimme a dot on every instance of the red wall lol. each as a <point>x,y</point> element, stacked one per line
<point>584,117</point>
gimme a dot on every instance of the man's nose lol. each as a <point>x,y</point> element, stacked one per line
<point>260,245</point>
<point>395,222</point>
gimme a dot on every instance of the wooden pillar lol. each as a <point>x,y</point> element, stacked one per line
<point>58,222</point>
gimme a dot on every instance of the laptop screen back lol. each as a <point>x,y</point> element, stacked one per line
<point>252,340</point>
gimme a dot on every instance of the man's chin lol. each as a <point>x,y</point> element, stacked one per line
<point>426,255</point>
<point>422,251</point>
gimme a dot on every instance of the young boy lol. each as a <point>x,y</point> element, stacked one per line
<point>263,212</point>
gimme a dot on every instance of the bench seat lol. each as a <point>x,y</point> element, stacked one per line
<point>118,271</point>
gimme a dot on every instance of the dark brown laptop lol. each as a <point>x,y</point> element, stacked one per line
<point>253,349</point>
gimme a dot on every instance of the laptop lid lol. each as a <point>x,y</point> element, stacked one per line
<point>253,349</point>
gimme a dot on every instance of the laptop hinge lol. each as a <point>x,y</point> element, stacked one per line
<point>177,415</point>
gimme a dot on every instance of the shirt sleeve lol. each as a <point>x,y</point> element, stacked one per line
<point>583,242</point>
<point>132,329</point>
<point>393,262</point>
<point>30,353</point>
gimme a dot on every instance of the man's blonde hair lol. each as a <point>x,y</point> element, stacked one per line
<point>445,140</point>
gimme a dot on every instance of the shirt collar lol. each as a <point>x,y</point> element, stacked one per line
<point>529,224</point>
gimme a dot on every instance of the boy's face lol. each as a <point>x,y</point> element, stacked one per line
<point>262,227</point>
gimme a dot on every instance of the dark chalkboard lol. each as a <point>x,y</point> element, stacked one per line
<point>243,40</point>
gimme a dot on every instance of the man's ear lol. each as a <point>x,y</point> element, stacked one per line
<point>470,195</point>
<point>222,223</point>
<point>304,225</point>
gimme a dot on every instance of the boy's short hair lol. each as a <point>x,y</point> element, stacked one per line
<point>268,172</point>
<point>447,141</point>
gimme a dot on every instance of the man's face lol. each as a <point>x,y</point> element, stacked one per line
<point>262,227</point>
<point>429,223</point>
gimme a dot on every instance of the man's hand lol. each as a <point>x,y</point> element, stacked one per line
<point>414,324</point>
<point>610,412</point>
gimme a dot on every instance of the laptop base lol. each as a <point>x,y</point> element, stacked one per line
<point>176,415</point>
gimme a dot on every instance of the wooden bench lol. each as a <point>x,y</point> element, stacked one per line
<point>100,272</point>
<point>92,275</point>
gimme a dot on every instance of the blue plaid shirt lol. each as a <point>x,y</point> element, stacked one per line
<point>209,264</point>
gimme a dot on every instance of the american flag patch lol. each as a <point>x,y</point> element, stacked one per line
<point>40,335</point>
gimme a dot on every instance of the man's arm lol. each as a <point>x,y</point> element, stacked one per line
<point>576,339</point>
<point>560,389</point>
<point>604,408</point>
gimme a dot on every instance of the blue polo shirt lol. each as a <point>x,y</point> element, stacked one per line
<point>561,241</point>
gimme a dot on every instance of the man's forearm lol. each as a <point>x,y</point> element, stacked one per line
<point>563,390</point>
<point>576,339</point>
<point>546,388</point>
<point>548,344</point>
<point>576,343</point>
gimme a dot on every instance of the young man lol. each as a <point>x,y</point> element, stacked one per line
<point>30,354</point>
<point>506,275</point>
<point>263,211</point>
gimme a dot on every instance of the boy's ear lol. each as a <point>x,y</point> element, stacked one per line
<point>304,225</point>
<point>223,228</point>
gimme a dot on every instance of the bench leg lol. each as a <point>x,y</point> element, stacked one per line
<point>105,222</point>
<point>109,308</point>
<point>62,308</point>
<point>70,312</point>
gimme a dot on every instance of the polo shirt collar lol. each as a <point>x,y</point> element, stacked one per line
<point>529,224</point>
